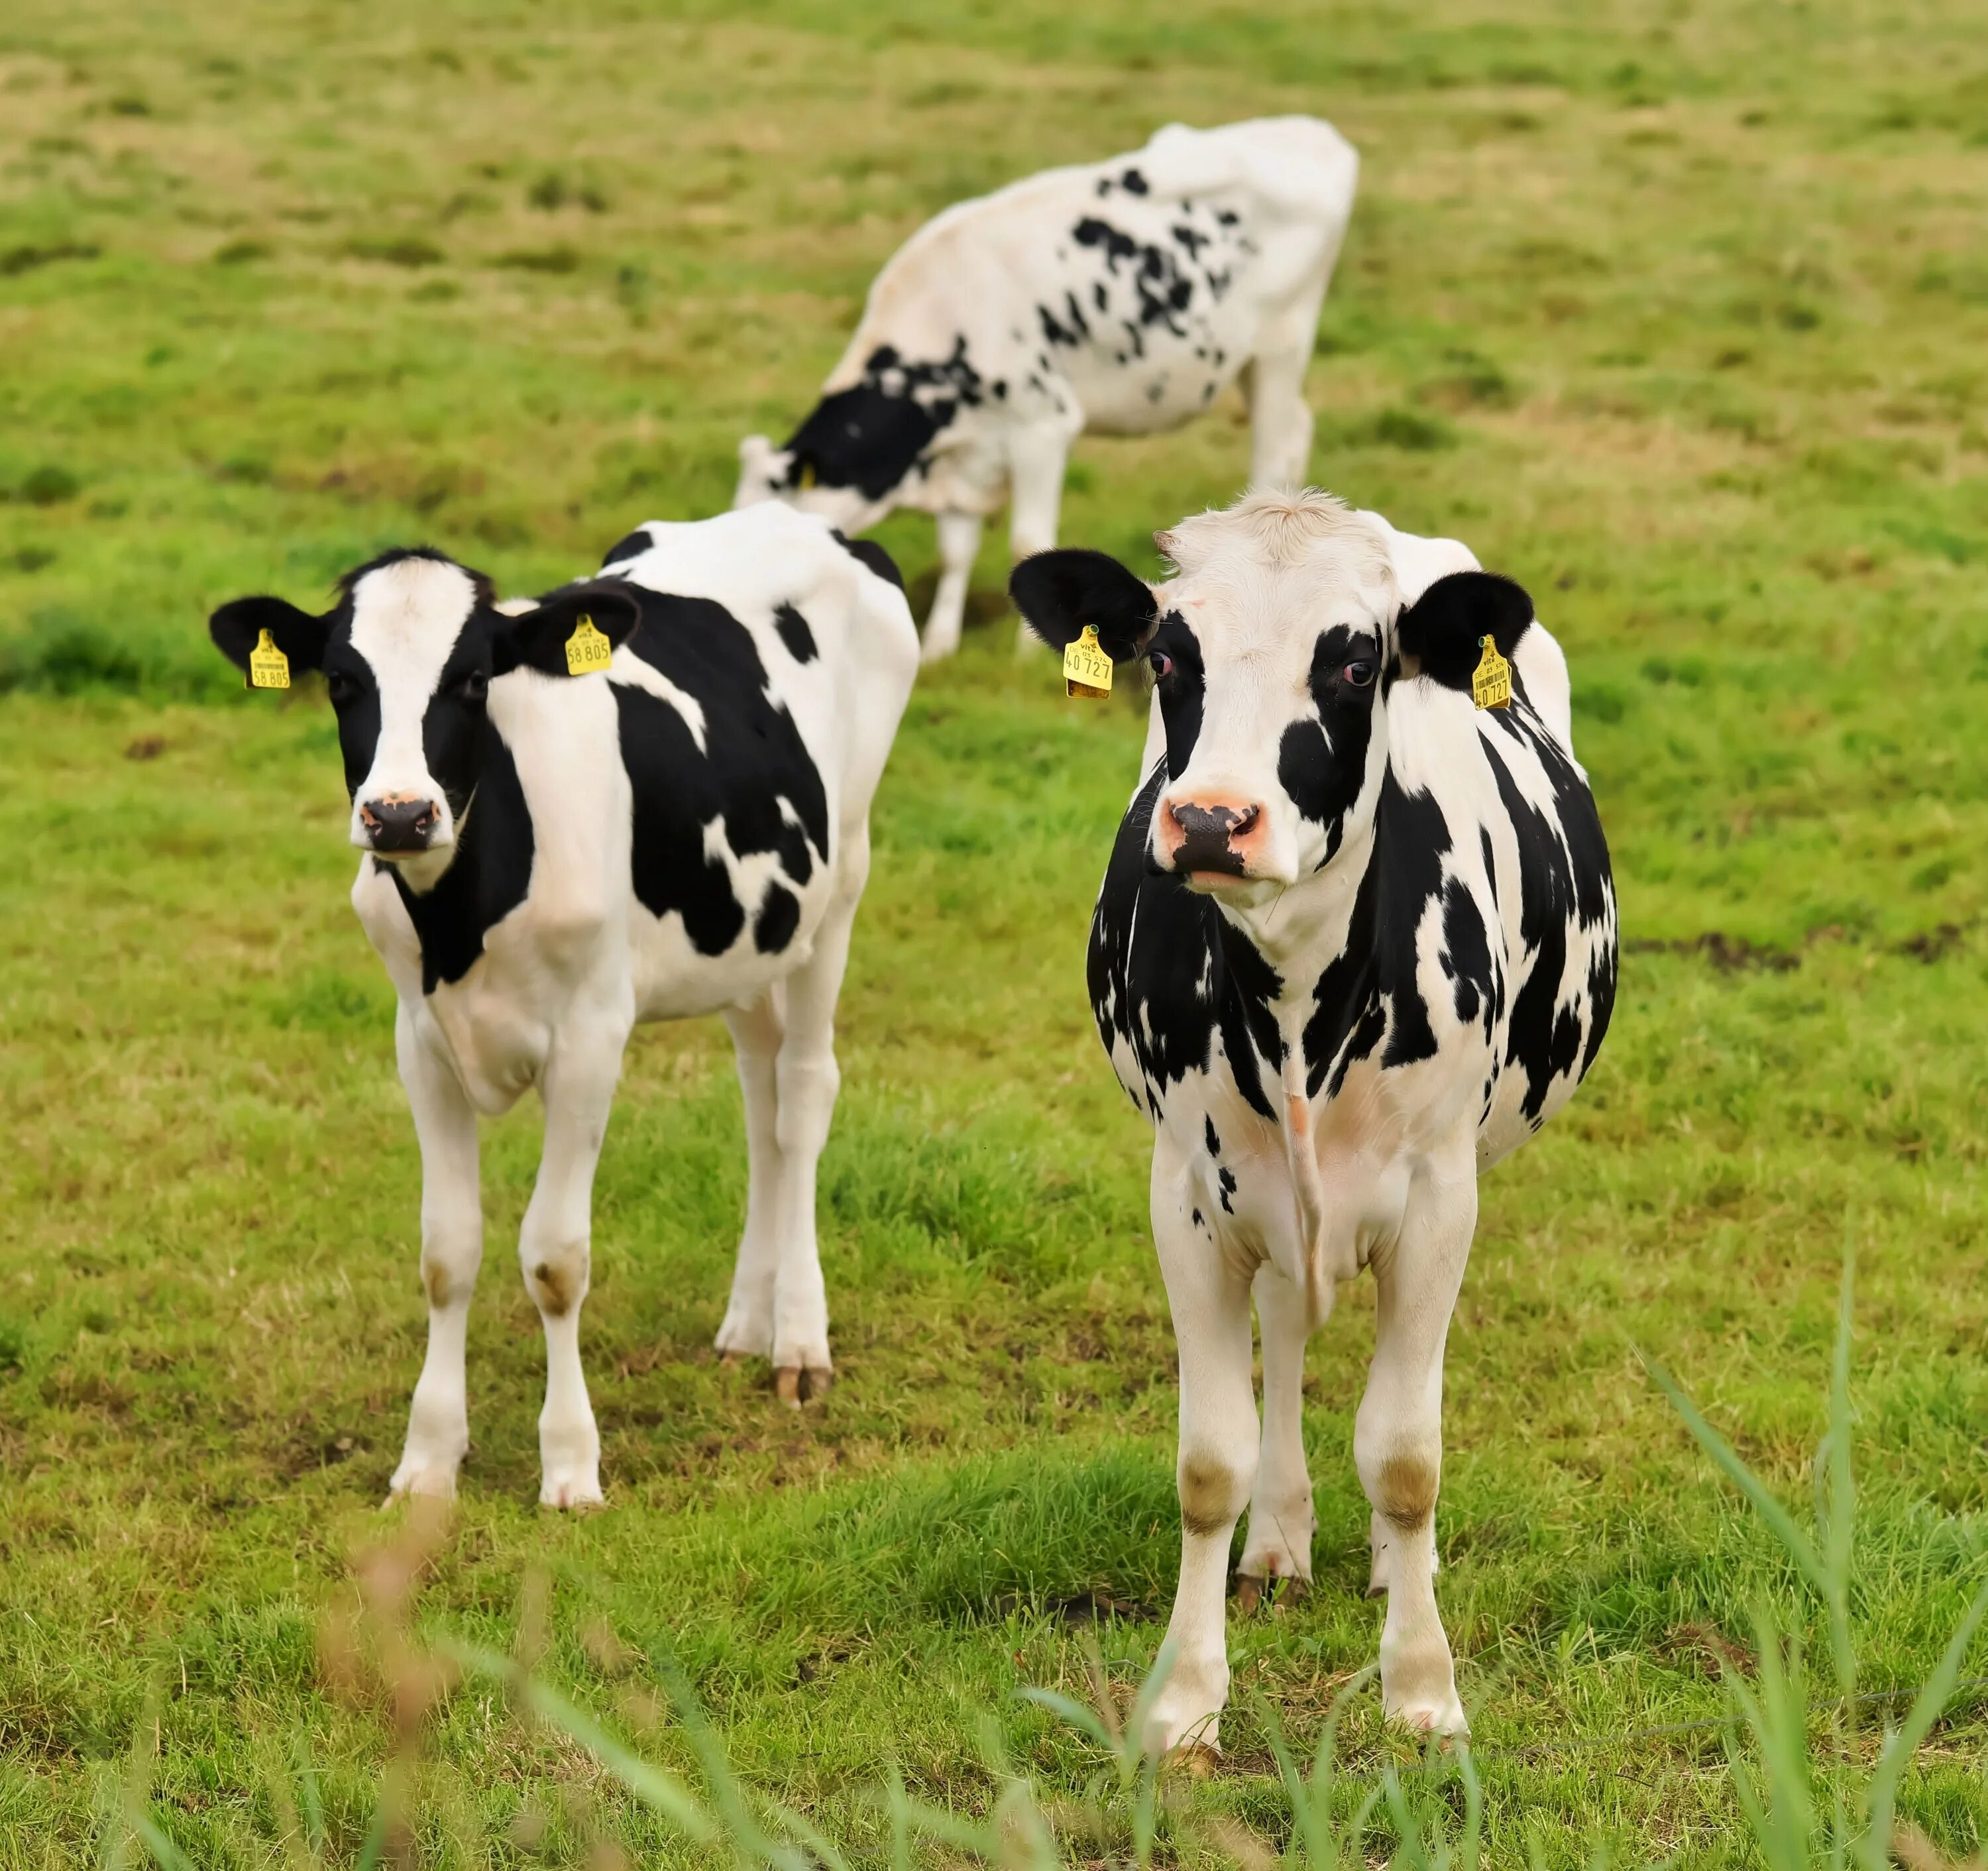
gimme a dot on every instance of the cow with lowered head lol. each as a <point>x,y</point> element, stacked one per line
<point>1356,942</point>
<point>551,857</point>
<point>1120,297</point>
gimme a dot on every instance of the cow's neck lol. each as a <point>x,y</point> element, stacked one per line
<point>1319,932</point>
<point>487,874</point>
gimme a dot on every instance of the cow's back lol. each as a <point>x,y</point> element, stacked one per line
<point>1143,281</point>
<point>754,709</point>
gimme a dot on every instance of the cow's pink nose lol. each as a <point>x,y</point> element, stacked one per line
<point>1207,832</point>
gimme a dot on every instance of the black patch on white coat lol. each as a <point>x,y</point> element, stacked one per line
<point>630,545</point>
<point>1168,972</point>
<point>871,436</point>
<point>868,552</point>
<point>755,761</point>
<point>795,633</point>
<point>488,877</point>
<point>1564,881</point>
<point>1322,761</point>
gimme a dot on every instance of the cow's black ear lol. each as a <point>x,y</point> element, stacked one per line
<point>539,639</point>
<point>1060,593</point>
<point>1441,630</point>
<point>238,628</point>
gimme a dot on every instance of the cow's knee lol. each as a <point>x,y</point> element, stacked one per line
<point>557,1274</point>
<point>1213,1488</point>
<point>449,1265</point>
<point>1402,1484</point>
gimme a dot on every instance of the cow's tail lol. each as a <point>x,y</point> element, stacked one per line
<point>1301,1157</point>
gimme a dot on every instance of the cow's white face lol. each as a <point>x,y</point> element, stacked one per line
<point>1274,653</point>
<point>408,656</point>
<point>1271,691</point>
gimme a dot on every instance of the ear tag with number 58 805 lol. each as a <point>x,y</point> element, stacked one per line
<point>1491,681</point>
<point>268,668</point>
<point>586,649</point>
<point>1086,670</point>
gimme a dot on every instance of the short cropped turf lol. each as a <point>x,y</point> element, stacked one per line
<point>1677,312</point>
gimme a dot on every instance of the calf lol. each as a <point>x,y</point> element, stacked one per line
<point>680,827</point>
<point>1121,297</point>
<point>1356,943</point>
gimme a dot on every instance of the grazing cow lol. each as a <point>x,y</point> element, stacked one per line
<point>1120,297</point>
<point>1356,942</point>
<point>680,827</point>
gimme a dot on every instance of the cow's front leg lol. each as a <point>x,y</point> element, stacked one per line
<point>1397,1441</point>
<point>1217,1460</point>
<point>747,1329</point>
<point>1038,458</point>
<point>1281,1521</point>
<point>555,1250</point>
<point>959,546</point>
<point>451,1252</point>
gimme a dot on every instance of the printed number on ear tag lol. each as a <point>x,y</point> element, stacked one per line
<point>268,668</point>
<point>1491,681</point>
<point>1086,670</point>
<point>586,649</point>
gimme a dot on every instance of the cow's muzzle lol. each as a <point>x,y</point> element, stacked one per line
<point>1208,836</point>
<point>400,825</point>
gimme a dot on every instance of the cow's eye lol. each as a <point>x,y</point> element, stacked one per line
<point>1358,675</point>
<point>339,687</point>
<point>474,686</point>
<point>1162,663</point>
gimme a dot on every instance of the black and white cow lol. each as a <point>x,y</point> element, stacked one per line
<point>1357,941</point>
<point>1121,297</point>
<point>552,857</point>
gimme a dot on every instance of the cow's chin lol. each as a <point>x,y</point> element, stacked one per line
<point>1240,891</point>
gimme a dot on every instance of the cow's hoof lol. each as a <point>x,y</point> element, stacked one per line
<point>1276,1589</point>
<point>796,1384</point>
<point>1195,1759</point>
<point>578,1494</point>
<point>432,1479</point>
<point>1441,1715</point>
<point>742,1337</point>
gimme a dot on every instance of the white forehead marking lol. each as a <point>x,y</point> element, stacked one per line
<point>405,620</point>
<point>1276,566</point>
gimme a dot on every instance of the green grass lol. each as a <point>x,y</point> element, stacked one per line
<point>1679,314</point>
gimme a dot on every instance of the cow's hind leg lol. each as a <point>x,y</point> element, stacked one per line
<point>1217,1459</point>
<point>451,1253</point>
<point>1280,1509</point>
<point>807,1079</point>
<point>959,546</point>
<point>1398,1442</point>
<point>747,1329</point>
<point>1280,422</point>
<point>555,1249</point>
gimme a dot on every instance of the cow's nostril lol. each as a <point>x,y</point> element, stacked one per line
<point>1244,820</point>
<point>399,825</point>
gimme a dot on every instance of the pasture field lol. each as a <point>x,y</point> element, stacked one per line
<point>1677,312</point>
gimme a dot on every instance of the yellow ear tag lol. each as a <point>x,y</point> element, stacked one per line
<point>805,479</point>
<point>586,649</point>
<point>268,668</point>
<point>1491,681</point>
<point>1086,670</point>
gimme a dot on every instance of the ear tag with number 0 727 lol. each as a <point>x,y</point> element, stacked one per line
<point>268,668</point>
<point>1491,681</point>
<point>586,648</point>
<point>1086,670</point>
